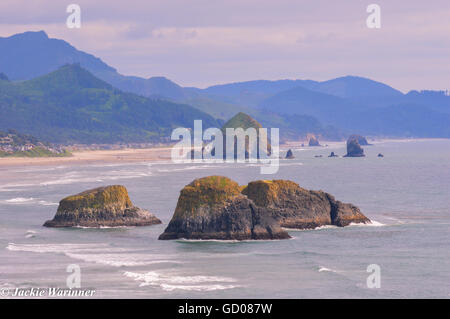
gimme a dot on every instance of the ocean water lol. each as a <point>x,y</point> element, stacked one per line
<point>406,194</point>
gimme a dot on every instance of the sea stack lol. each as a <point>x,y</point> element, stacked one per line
<point>296,207</point>
<point>214,208</point>
<point>361,139</point>
<point>245,121</point>
<point>108,206</point>
<point>332,155</point>
<point>313,140</point>
<point>289,154</point>
<point>354,149</point>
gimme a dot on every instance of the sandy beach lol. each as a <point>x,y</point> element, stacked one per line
<point>97,156</point>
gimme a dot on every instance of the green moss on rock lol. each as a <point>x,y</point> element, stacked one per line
<point>207,191</point>
<point>103,206</point>
<point>98,197</point>
<point>266,193</point>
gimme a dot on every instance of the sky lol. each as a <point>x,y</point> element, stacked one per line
<point>205,42</point>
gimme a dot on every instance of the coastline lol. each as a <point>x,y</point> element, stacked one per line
<point>129,155</point>
<point>159,153</point>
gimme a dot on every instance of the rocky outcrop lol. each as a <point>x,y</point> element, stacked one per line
<point>245,121</point>
<point>214,208</point>
<point>361,139</point>
<point>289,154</point>
<point>332,155</point>
<point>296,207</point>
<point>104,206</point>
<point>354,149</point>
<point>313,140</point>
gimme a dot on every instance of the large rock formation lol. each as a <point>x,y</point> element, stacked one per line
<point>245,121</point>
<point>214,208</point>
<point>296,207</point>
<point>103,206</point>
<point>361,139</point>
<point>354,149</point>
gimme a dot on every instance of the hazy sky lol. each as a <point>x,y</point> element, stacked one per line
<point>204,42</point>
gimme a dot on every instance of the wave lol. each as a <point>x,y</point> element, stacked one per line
<point>19,200</point>
<point>373,223</point>
<point>119,260</point>
<point>27,200</point>
<point>173,282</point>
<point>30,234</point>
<point>97,253</point>
<point>53,248</point>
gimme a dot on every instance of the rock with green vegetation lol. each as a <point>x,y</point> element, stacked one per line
<point>214,208</point>
<point>245,121</point>
<point>108,206</point>
<point>354,149</point>
<point>296,207</point>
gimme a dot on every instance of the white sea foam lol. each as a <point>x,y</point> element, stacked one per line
<point>373,223</point>
<point>54,248</point>
<point>172,282</point>
<point>120,260</point>
<point>322,269</point>
<point>27,200</point>
<point>30,234</point>
<point>19,200</point>
<point>97,253</point>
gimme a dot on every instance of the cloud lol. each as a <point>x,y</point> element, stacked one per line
<point>202,42</point>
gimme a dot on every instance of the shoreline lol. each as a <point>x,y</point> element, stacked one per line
<point>129,155</point>
<point>155,154</point>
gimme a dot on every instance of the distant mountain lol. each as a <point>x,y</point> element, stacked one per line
<point>251,93</point>
<point>31,54</point>
<point>406,119</point>
<point>300,101</point>
<point>295,106</point>
<point>70,105</point>
<point>354,87</point>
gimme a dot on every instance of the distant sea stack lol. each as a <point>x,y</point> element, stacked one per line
<point>289,154</point>
<point>108,206</point>
<point>245,121</point>
<point>214,208</point>
<point>354,149</point>
<point>332,155</point>
<point>361,139</point>
<point>296,207</point>
<point>313,140</point>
